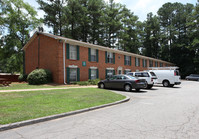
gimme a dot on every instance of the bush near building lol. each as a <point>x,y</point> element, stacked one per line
<point>39,76</point>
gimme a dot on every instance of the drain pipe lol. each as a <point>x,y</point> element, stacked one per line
<point>64,60</point>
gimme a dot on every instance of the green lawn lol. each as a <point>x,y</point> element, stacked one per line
<point>19,106</point>
<point>14,86</point>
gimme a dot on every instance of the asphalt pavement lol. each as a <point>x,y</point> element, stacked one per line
<point>171,113</point>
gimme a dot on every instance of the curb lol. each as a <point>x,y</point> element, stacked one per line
<point>47,118</point>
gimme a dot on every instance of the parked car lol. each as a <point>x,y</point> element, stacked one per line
<point>193,77</point>
<point>168,76</point>
<point>125,82</point>
<point>148,76</point>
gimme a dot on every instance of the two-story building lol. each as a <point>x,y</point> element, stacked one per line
<point>71,60</point>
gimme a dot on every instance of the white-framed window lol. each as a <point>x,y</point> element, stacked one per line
<point>93,74</point>
<point>127,60</point>
<point>109,72</point>
<point>150,63</point>
<point>156,64</point>
<point>73,52</point>
<point>109,57</point>
<point>73,74</point>
<point>144,62</point>
<point>93,55</point>
<point>137,62</point>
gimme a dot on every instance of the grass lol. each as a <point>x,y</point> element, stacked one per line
<point>20,106</point>
<point>16,86</point>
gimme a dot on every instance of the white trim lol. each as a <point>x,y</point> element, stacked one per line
<point>72,66</point>
<point>110,68</point>
<point>128,69</point>
<point>93,67</point>
<point>64,60</point>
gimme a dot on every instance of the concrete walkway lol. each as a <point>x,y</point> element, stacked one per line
<point>41,89</point>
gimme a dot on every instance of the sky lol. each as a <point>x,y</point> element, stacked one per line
<point>139,7</point>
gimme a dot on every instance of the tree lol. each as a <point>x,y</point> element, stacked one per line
<point>151,38</point>
<point>129,32</point>
<point>19,19</point>
<point>54,16</point>
<point>112,24</point>
<point>176,35</point>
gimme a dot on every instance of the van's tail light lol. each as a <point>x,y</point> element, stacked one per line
<point>137,81</point>
<point>174,73</point>
<point>152,79</point>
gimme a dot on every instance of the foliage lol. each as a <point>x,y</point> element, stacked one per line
<point>39,76</point>
<point>17,20</point>
<point>22,77</point>
<point>94,82</point>
<point>89,82</point>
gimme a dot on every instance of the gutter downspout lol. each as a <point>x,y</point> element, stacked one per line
<point>64,60</point>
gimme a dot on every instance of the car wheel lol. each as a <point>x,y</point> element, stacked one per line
<point>101,86</point>
<point>166,83</point>
<point>149,86</point>
<point>127,88</point>
<point>137,90</point>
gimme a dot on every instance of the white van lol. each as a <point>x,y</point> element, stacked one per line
<point>168,76</point>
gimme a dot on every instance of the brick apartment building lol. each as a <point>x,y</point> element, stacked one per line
<point>71,60</point>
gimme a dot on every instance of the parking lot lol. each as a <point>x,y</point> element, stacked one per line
<point>157,113</point>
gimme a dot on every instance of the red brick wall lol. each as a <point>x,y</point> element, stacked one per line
<point>48,58</point>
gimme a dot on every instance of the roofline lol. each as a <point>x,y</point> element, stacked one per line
<point>89,45</point>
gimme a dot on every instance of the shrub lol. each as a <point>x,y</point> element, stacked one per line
<point>22,77</point>
<point>49,75</point>
<point>94,82</point>
<point>83,83</point>
<point>89,82</point>
<point>39,76</point>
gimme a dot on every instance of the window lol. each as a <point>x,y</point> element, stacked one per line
<point>156,64</point>
<point>141,74</point>
<point>150,63</point>
<point>73,75</point>
<point>144,62</point>
<point>110,72</point>
<point>127,60</point>
<point>93,74</point>
<point>121,77</point>
<point>73,52</point>
<point>93,54</point>
<point>137,62</point>
<point>109,57</point>
<point>161,65</point>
